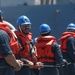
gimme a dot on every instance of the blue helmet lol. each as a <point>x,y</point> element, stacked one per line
<point>71,26</point>
<point>22,20</point>
<point>35,40</point>
<point>44,28</point>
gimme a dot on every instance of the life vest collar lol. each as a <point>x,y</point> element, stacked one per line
<point>65,35</point>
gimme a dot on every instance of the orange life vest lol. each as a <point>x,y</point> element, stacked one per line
<point>63,40</point>
<point>43,46</point>
<point>26,40</point>
<point>13,42</point>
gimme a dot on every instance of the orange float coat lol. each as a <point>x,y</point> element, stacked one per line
<point>13,42</point>
<point>44,52</point>
<point>26,41</point>
<point>63,40</point>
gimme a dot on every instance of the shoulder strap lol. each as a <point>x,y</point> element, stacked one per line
<point>20,43</point>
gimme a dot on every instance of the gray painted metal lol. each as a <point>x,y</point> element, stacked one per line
<point>57,16</point>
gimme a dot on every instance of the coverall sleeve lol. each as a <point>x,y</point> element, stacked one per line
<point>57,52</point>
<point>71,48</point>
<point>4,44</point>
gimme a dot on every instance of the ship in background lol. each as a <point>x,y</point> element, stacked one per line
<point>10,3</point>
<point>57,13</point>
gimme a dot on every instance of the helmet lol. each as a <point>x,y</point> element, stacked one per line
<point>44,28</point>
<point>22,20</point>
<point>35,40</point>
<point>71,26</point>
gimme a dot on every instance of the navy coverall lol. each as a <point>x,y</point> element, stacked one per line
<point>5,50</point>
<point>58,58</point>
<point>70,57</point>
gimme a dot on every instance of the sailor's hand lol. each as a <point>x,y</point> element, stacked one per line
<point>30,63</point>
<point>19,65</point>
<point>40,64</point>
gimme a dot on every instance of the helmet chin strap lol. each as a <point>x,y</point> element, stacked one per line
<point>20,28</point>
<point>30,26</point>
